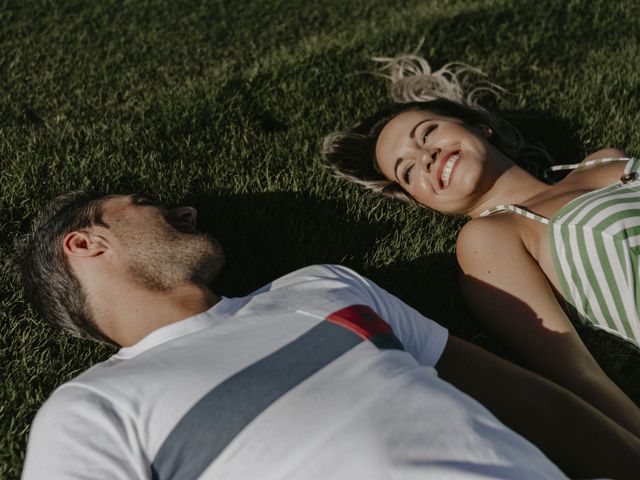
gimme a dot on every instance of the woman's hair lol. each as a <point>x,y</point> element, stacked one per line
<point>450,91</point>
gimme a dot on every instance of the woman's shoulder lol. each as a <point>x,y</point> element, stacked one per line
<point>605,153</point>
<point>594,174</point>
<point>488,234</point>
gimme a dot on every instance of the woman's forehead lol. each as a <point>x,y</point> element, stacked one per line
<point>399,129</point>
<point>407,117</point>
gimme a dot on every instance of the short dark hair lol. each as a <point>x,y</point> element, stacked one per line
<point>49,283</point>
<point>351,153</point>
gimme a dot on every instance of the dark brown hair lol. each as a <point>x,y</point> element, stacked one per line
<point>49,283</point>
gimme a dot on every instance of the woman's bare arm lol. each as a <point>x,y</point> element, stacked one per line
<point>604,153</point>
<point>583,442</point>
<point>508,292</point>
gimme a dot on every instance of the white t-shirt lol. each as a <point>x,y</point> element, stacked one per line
<point>319,375</point>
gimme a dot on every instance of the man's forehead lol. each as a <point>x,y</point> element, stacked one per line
<point>126,198</point>
<point>112,204</point>
<point>114,201</point>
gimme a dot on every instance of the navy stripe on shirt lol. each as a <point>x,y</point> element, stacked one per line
<point>218,417</point>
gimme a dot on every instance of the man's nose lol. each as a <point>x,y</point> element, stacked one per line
<point>185,214</point>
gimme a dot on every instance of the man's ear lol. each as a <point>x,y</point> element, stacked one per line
<point>84,244</point>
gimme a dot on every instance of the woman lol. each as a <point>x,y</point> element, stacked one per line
<point>531,251</point>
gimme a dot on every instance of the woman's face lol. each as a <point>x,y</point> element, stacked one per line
<point>440,161</point>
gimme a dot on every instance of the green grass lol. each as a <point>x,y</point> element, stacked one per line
<point>223,105</point>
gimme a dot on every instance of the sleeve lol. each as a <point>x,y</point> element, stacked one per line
<point>421,337</point>
<point>78,434</point>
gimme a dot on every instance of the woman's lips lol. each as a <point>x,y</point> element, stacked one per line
<point>448,165</point>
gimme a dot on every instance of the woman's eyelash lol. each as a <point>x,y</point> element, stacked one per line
<point>429,129</point>
<point>405,177</point>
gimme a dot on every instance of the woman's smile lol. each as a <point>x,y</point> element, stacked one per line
<point>447,167</point>
<point>422,152</point>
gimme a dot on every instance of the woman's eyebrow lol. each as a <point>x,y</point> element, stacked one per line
<point>413,130</point>
<point>412,133</point>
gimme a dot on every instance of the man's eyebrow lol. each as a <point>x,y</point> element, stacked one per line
<point>137,197</point>
<point>413,130</point>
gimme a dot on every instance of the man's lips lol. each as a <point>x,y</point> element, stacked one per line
<point>184,227</point>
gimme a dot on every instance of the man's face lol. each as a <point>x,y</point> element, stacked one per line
<point>160,248</point>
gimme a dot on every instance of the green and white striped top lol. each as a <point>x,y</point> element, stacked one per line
<point>595,240</point>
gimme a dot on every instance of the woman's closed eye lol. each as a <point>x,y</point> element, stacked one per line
<point>407,173</point>
<point>427,131</point>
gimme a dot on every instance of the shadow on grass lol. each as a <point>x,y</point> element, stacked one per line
<point>266,235</point>
<point>557,135</point>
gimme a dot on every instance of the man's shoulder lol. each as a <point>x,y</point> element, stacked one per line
<point>86,388</point>
<point>317,284</point>
<point>320,276</point>
<point>78,422</point>
<point>71,401</point>
<point>322,270</point>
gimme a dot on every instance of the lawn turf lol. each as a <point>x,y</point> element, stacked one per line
<point>223,105</point>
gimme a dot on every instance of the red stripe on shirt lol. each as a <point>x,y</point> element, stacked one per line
<point>361,320</point>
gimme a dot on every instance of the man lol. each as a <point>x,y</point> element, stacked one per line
<point>320,374</point>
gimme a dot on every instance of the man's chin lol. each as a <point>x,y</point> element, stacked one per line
<point>207,274</point>
<point>207,270</point>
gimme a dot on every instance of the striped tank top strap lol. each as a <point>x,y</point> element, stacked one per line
<point>633,165</point>
<point>517,210</point>
<point>587,164</point>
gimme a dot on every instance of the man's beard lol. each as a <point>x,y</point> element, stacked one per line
<point>173,258</point>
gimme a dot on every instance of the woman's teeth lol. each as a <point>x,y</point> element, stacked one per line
<point>448,168</point>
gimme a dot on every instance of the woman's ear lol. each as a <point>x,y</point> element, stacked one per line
<point>83,244</point>
<point>486,131</point>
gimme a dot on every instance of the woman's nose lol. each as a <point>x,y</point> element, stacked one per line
<point>430,156</point>
<point>185,214</point>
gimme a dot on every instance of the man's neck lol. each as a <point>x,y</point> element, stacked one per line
<point>138,312</point>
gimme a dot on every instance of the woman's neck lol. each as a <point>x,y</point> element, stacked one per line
<point>514,187</point>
